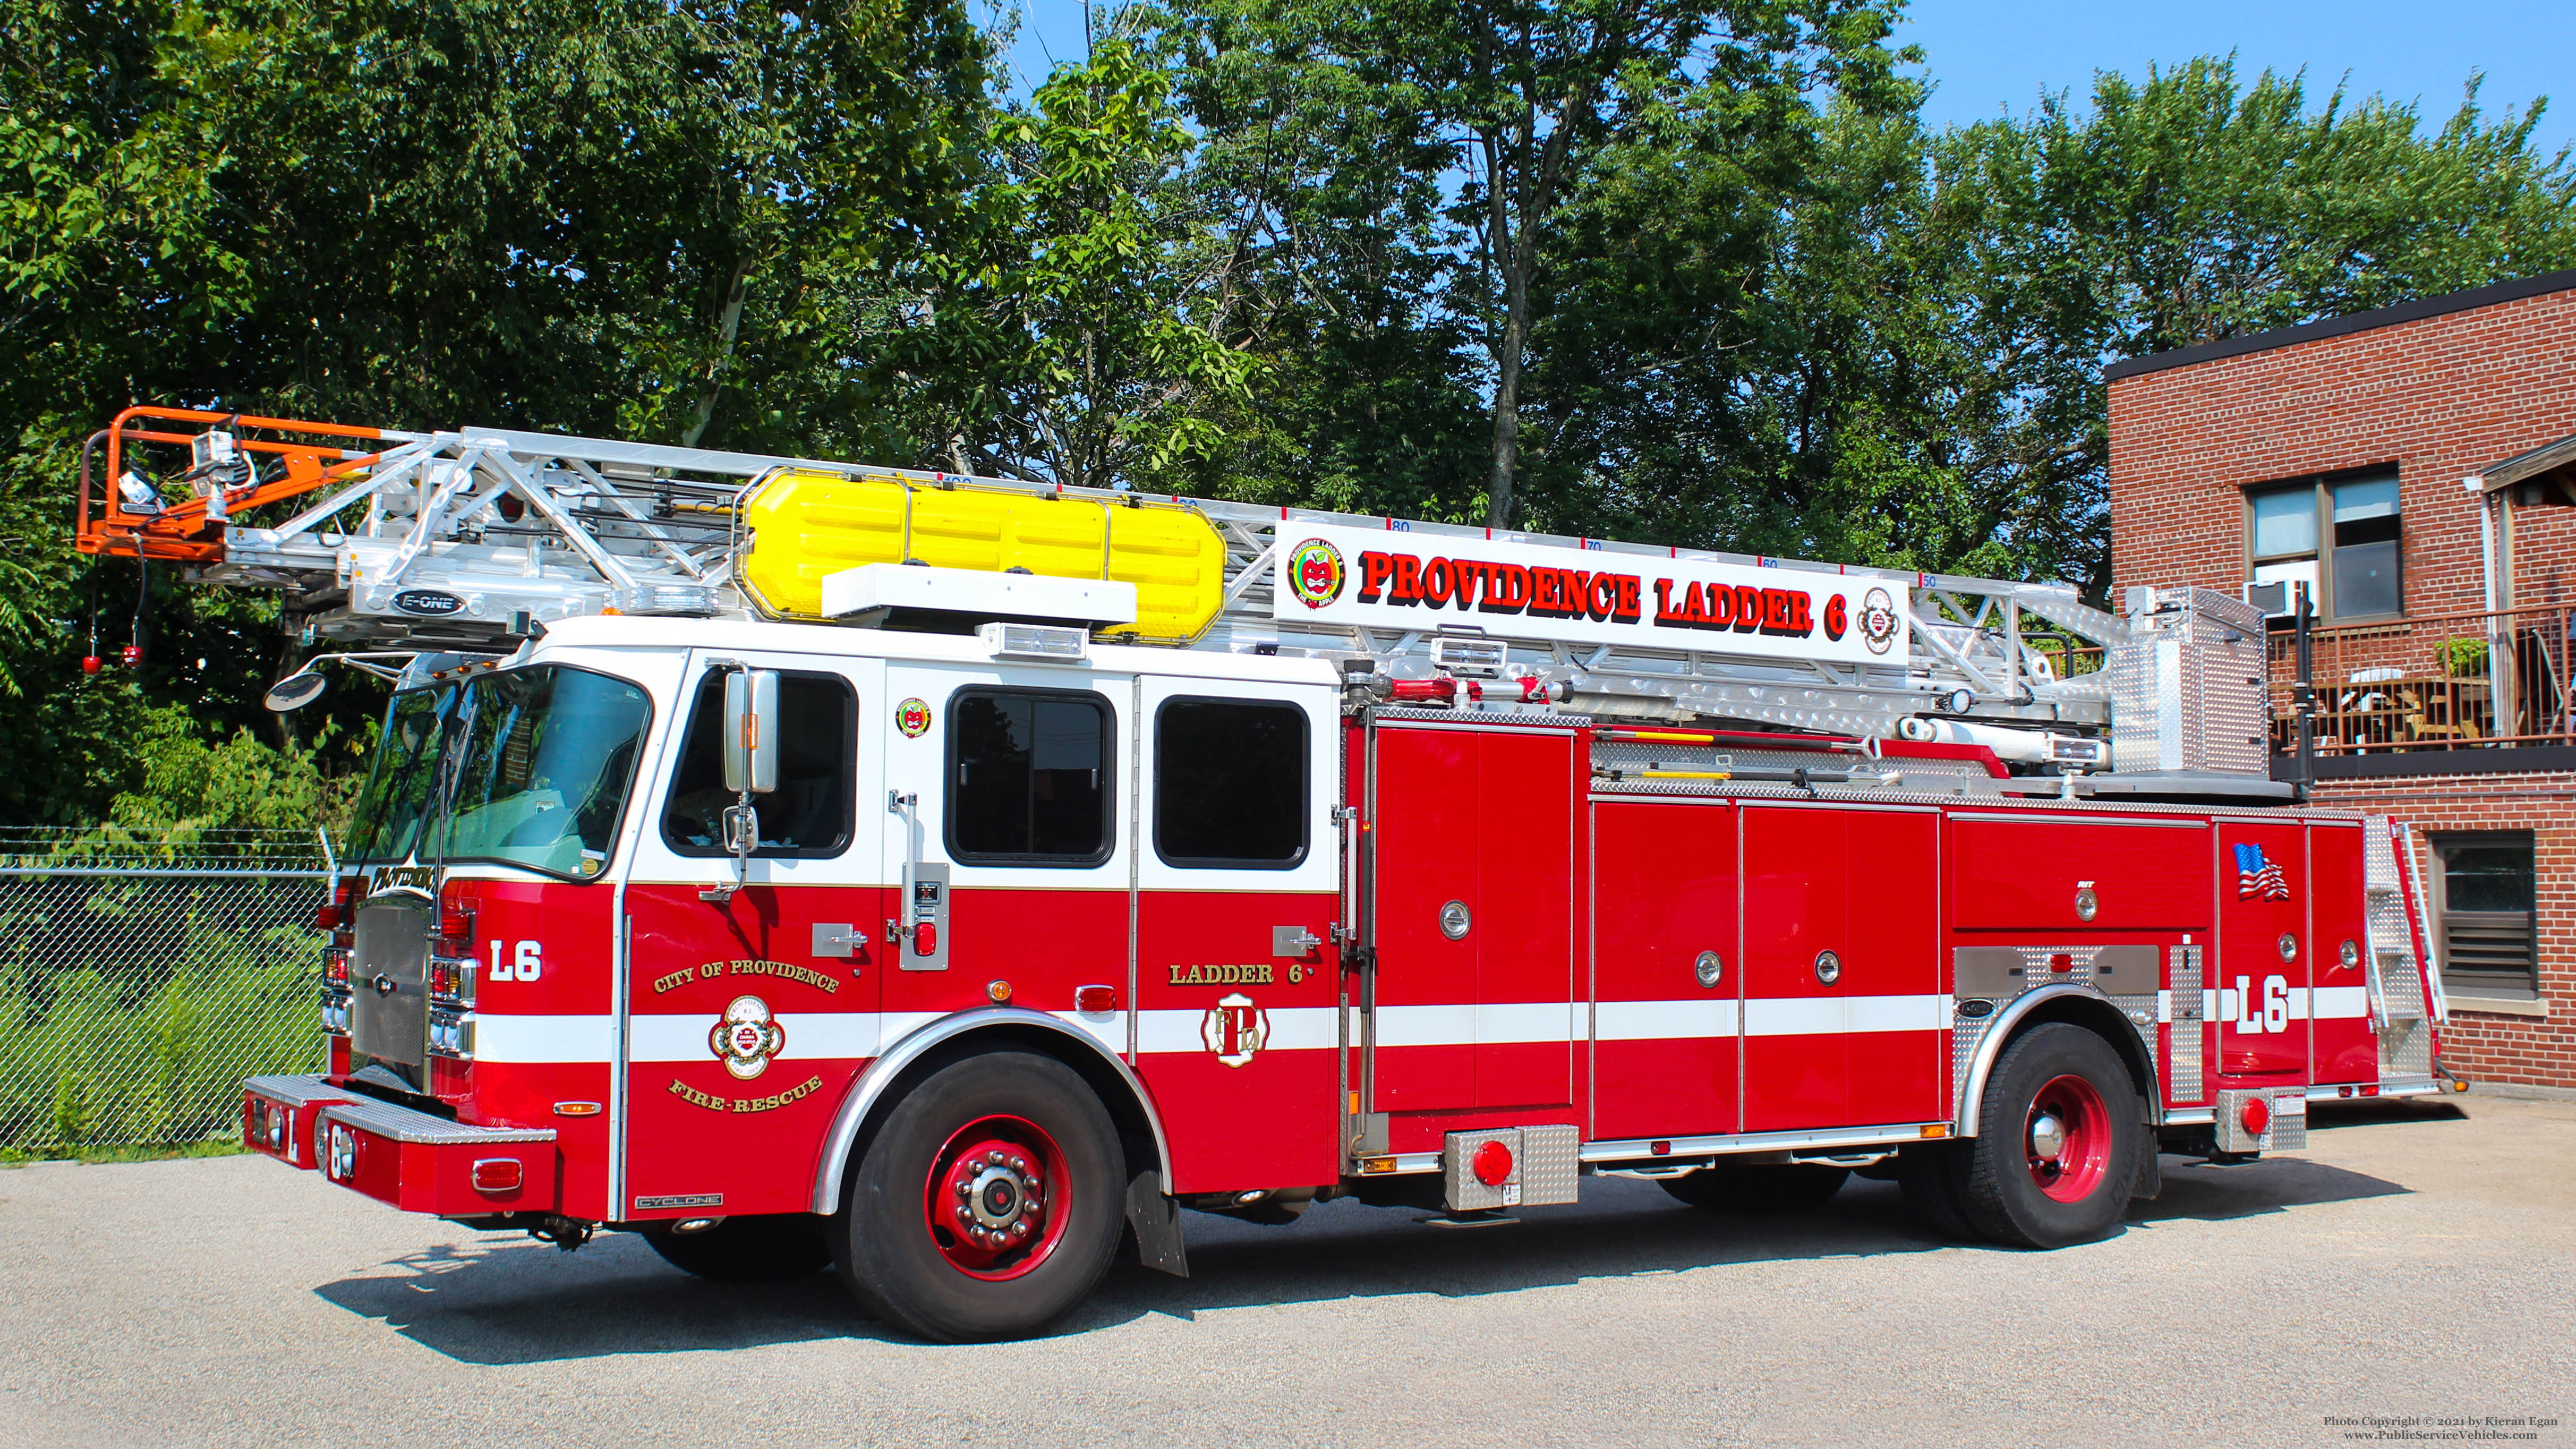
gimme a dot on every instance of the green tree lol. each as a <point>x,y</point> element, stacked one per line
<point>1075,331</point>
<point>1866,342</point>
<point>658,219</point>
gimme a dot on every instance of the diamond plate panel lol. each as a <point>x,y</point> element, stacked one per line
<point>2185,1038</point>
<point>1965,1034</point>
<point>1465,1192</point>
<point>1550,1165</point>
<point>2187,687</point>
<point>2406,1050</point>
<point>2287,1131</point>
<point>2141,1014</point>
<point>2396,972</point>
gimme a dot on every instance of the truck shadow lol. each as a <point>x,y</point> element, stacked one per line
<point>494,1300</point>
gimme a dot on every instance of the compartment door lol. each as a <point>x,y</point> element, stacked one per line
<point>1472,916</point>
<point>1845,1023</point>
<point>2264,950</point>
<point>1663,900</point>
<point>2347,1049</point>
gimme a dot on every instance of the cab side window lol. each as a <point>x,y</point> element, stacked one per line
<point>809,815</point>
<point>1230,784</point>
<point>1029,777</point>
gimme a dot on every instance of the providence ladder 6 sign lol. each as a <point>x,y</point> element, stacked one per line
<point>1400,580</point>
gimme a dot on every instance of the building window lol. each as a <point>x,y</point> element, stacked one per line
<point>1028,780</point>
<point>1230,784</point>
<point>2341,537</point>
<point>808,817</point>
<point>2484,898</point>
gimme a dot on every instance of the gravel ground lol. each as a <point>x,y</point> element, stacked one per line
<point>2415,1262</point>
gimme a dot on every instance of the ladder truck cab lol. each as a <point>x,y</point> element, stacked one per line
<point>944,879</point>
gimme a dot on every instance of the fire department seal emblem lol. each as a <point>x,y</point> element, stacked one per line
<point>1234,1028</point>
<point>1877,620</point>
<point>747,1037</point>
<point>1315,573</point>
<point>913,718</point>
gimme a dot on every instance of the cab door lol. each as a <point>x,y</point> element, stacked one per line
<point>1238,888</point>
<point>750,1010</point>
<point>1006,820</point>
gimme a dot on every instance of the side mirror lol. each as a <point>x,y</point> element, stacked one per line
<point>295,691</point>
<point>751,731</point>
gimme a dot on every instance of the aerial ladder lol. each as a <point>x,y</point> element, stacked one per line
<point>383,542</point>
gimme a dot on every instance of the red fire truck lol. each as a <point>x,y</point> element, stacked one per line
<point>947,879</point>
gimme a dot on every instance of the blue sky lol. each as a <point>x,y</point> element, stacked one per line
<point>1989,55</point>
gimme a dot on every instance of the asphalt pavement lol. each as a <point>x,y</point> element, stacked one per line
<point>2418,1263</point>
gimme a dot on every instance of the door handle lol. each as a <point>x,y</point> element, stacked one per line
<point>1293,941</point>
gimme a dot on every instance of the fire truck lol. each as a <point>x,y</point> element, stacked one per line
<point>948,880</point>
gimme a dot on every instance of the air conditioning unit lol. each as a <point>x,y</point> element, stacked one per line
<point>2272,598</point>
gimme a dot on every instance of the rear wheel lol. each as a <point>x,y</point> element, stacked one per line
<point>2057,1146</point>
<point>988,1203</point>
<point>1765,1187</point>
<point>748,1250</point>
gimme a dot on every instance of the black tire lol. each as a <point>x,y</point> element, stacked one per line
<point>1928,1174</point>
<point>2000,1189</point>
<point>1765,1187</point>
<point>903,1275</point>
<point>748,1250</point>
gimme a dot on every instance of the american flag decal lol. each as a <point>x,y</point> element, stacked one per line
<point>2258,879</point>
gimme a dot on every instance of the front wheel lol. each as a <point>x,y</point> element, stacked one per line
<point>988,1203</point>
<point>2057,1146</point>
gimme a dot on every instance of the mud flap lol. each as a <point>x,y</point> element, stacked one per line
<point>1157,1222</point>
<point>2151,1175</point>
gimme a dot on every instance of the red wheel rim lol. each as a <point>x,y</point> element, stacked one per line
<point>2067,1139</point>
<point>995,1203</point>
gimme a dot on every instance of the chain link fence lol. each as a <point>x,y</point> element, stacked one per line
<point>145,974</point>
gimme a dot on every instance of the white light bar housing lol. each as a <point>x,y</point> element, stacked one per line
<point>1483,658</point>
<point>1034,641</point>
<point>976,591</point>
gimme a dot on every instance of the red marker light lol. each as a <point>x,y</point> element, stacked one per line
<point>1493,1164</point>
<point>2257,1117</point>
<point>925,939</point>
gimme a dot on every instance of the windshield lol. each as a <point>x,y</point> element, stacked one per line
<point>548,760</point>
<point>400,790</point>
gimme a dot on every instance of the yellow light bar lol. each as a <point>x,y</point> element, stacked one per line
<point>805,525</point>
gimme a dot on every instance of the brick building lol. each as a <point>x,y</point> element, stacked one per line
<point>2414,469</point>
